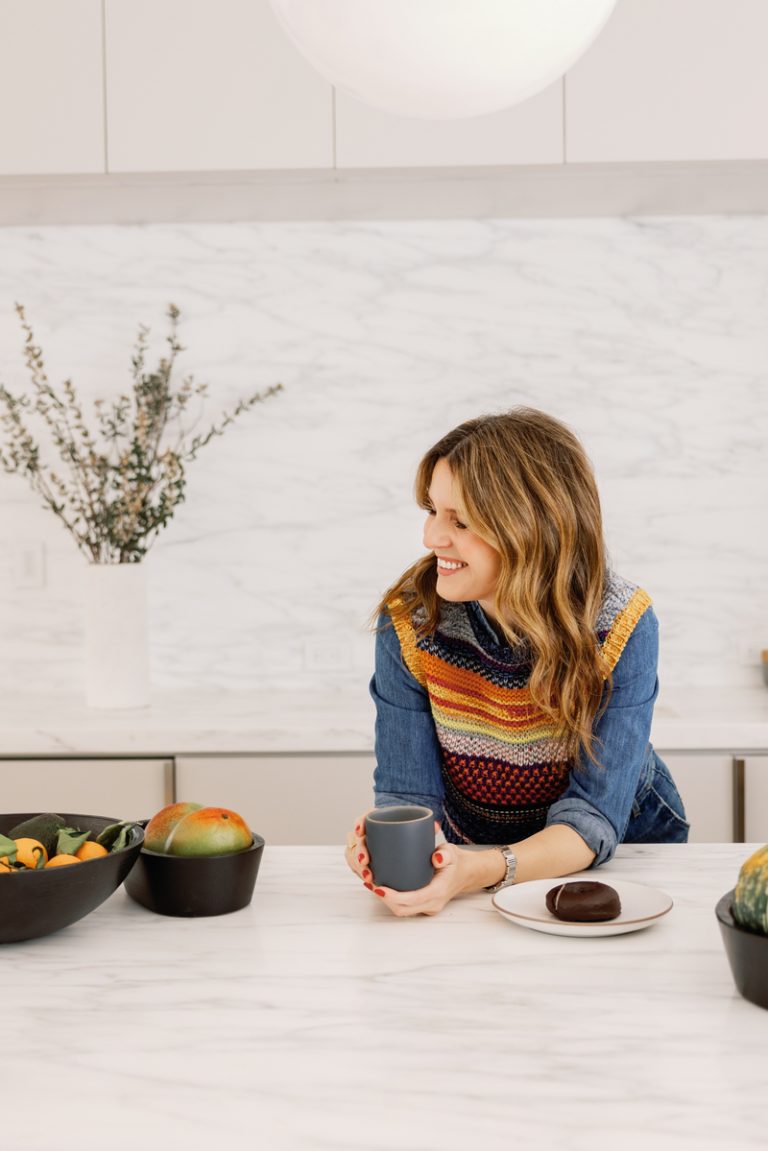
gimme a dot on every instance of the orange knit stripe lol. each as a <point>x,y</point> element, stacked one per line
<point>507,718</point>
<point>411,654</point>
<point>623,626</point>
<point>534,721</point>
<point>461,682</point>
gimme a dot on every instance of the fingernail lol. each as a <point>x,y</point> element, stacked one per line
<point>369,886</point>
<point>366,873</point>
<point>358,829</point>
<point>360,858</point>
<point>379,891</point>
<point>438,857</point>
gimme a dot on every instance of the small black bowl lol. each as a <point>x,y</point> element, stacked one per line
<point>37,903</point>
<point>186,885</point>
<point>747,953</point>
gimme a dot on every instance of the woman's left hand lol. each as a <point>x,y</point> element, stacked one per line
<point>453,875</point>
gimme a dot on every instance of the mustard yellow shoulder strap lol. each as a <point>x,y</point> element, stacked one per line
<point>407,637</point>
<point>623,626</point>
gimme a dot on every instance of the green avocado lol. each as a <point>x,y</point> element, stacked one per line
<point>44,828</point>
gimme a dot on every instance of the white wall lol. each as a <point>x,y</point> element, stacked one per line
<point>649,336</point>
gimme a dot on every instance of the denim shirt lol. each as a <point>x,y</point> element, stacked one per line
<point>629,796</point>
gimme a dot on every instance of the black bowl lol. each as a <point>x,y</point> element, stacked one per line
<point>36,903</point>
<point>747,953</point>
<point>187,885</point>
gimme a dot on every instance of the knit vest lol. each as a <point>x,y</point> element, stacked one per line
<point>503,761</point>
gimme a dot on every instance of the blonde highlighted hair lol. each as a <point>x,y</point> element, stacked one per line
<point>527,489</point>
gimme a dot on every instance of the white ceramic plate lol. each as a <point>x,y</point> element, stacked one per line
<point>524,904</point>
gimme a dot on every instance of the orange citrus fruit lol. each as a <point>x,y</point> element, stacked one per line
<point>62,860</point>
<point>5,865</point>
<point>90,850</point>
<point>28,851</point>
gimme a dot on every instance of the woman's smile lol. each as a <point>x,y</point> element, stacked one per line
<point>448,567</point>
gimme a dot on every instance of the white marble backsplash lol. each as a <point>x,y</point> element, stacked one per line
<point>649,336</point>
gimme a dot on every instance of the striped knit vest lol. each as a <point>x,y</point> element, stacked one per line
<point>503,762</point>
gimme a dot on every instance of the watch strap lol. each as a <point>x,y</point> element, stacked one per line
<point>510,860</point>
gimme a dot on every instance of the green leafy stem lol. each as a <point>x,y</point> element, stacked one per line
<point>118,486</point>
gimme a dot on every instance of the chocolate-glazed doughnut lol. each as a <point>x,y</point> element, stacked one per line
<point>583,901</point>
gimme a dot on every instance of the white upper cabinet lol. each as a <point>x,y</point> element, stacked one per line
<point>51,87</point>
<point>672,80</point>
<point>210,85</point>
<point>528,133</point>
<point>94,86</point>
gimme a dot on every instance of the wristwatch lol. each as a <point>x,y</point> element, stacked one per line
<point>509,876</point>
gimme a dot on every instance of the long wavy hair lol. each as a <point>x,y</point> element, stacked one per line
<point>528,490</point>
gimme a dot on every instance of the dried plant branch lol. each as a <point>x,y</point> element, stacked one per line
<point>121,485</point>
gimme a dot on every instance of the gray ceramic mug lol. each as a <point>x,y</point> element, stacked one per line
<point>401,841</point>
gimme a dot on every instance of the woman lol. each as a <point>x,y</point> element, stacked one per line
<point>515,673</point>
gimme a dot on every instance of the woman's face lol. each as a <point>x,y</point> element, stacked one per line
<point>467,567</point>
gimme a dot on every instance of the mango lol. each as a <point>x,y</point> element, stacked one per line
<point>209,831</point>
<point>161,825</point>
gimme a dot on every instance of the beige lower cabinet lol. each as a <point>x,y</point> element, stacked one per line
<point>756,799</point>
<point>311,799</point>
<point>705,783</point>
<point>123,788</point>
<point>314,798</point>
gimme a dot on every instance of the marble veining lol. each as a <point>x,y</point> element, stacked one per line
<point>248,722</point>
<point>314,1020</point>
<point>647,335</point>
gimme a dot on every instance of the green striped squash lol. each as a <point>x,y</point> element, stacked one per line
<point>750,899</point>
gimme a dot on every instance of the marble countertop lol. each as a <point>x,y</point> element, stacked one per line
<point>313,1020</point>
<point>208,722</point>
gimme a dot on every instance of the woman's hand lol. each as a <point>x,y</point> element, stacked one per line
<point>456,872</point>
<point>356,853</point>
<point>359,862</point>
<point>554,851</point>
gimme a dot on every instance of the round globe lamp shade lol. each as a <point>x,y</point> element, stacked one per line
<point>442,59</point>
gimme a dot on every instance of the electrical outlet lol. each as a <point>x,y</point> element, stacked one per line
<point>28,564</point>
<point>750,655</point>
<point>322,654</point>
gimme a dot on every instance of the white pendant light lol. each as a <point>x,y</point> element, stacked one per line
<point>442,59</point>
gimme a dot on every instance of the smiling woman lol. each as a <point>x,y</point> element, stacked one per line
<point>458,551</point>
<point>515,671</point>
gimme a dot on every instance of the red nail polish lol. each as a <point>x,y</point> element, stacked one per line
<point>379,891</point>
<point>360,858</point>
<point>369,886</point>
<point>438,857</point>
<point>358,829</point>
<point>366,873</point>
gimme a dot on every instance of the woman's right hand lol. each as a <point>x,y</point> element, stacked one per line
<point>356,853</point>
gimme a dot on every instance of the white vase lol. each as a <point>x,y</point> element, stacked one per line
<point>116,636</point>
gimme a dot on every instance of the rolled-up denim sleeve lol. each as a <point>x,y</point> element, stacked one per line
<point>407,749</point>
<point>597,802</point>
